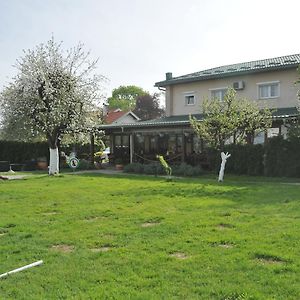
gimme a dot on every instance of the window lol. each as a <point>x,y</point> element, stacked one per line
<point>268,90</point>
<point>189,99</point>
<point>172,144</point>
<point>153,144</point>
<point>218,94</point>
<point>118,141</point>
<point>259,138</point>
<point>271,132</point>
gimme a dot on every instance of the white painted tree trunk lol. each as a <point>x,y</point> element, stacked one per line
<point>54,161</point>
<point>224,157</point>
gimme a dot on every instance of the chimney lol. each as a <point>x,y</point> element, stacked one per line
<point>169,76</point>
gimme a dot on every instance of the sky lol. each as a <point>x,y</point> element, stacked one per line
<point>138,41</point>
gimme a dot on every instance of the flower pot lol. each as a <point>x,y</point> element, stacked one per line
<point>119,167</point>
<point>42,165</point>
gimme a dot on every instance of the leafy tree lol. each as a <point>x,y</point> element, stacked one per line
<point>124,97</point>
<point>233,117</point>
<point>54,93</point>
<point>293,125</point>
<point>147,107</point>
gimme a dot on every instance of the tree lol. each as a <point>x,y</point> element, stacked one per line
<point>293,125</point>
<point>233,118</point>
<point>124,97</point>
<point>147,107</point>
<point>54,93</point>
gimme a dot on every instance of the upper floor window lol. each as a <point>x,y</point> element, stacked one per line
<point>268,90</point>
<point>218,94</point>
<point>189,99</point>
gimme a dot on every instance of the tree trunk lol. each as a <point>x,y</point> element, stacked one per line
<point>54,161</point>
<point>224,157</point>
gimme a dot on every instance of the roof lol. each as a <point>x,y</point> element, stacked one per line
<point>114,115</point>
<point>183,120</point>
<point>277,63</point>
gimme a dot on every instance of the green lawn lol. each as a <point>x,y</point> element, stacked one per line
<point>130,237</point>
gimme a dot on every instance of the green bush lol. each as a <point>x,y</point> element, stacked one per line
<point>153,169</point>
<point>84,165</point>
<point>134,168</point>
<point>150,169</point>
<point>245,159</point>
<point>187,170</point>
<point>282,157</point>
<point>156,169</point>
<point>20,152</point>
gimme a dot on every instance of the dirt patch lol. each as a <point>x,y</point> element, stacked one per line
<point>226,246</point>
<point>101,249</point>
<point>150,224</point>
<point>91,218</point>
<point>63,248</point>
<point>179,255</point>
<point>269,261</point>
<point>49,213</point>
<point>223,226</point>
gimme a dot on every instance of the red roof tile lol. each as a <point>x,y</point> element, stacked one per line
<point>114,115</point>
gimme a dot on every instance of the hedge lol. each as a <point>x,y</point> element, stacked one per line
<point>20,152</point>
<point>282,157</point>
<point>156,169</point>
<point>278,157</point>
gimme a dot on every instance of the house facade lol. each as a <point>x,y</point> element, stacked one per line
<point>268,82</point>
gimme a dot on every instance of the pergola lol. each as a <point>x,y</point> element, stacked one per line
<point>171,136</point>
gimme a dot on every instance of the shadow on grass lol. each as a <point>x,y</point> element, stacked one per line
<point>234,189</point>
<point>238,191</point>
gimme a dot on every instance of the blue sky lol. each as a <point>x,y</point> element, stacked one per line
<point>137,42</point>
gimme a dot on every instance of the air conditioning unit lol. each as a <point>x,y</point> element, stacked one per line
<point>239,85</point>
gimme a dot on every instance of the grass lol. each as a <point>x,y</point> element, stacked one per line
<point>129,237</point>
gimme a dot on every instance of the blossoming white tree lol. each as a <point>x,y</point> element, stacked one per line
<point>54,92</point>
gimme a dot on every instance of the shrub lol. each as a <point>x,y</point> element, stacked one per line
<point>134,168</point>
<point>156,169</point>
<point>187,170</point>
<point>153,169</point>
<point>84,165</point>
<point>282,157</point>
<point>245,159</point>
<point>19,152</point>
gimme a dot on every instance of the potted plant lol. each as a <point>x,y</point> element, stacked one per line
<point>119,164</point>
<point>98,159</point>
<point>42,163</point>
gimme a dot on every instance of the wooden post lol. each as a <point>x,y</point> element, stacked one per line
<point>92,148</point>
<point>131,144</point>
<point>183,147</point>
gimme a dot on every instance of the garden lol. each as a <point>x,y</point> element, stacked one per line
<point>142,237</point>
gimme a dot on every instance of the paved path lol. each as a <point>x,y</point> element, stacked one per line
<point>101,171</point>
<point>14,177</point>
